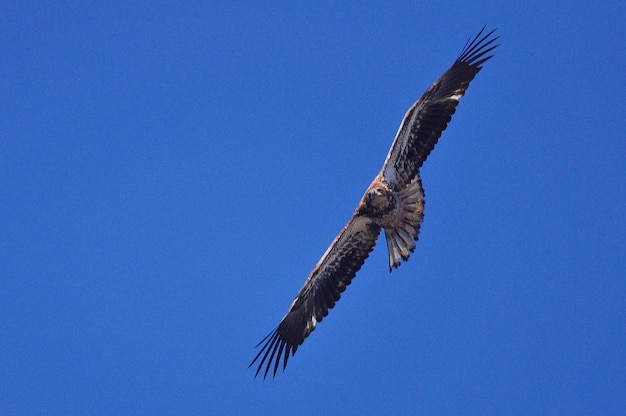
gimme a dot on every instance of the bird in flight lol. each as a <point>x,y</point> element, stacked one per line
<point>394,202</point>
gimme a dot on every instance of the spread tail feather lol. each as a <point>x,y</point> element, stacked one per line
<point>401,239</point>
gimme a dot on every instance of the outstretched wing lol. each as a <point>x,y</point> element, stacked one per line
<point>330,277</point>
<point>429,116</point>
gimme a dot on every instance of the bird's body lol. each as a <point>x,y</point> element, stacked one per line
<point>394,202</point>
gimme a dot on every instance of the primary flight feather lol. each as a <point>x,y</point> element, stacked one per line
<point>394,202</point>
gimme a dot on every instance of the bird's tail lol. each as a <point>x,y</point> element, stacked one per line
<point>401,239</point>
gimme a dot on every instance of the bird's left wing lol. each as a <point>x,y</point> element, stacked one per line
<point>322,289</point>
<point>424,122</point>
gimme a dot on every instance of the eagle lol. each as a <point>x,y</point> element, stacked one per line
<point>394,202</point>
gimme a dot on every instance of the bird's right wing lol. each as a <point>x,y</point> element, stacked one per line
<point>330,277</point>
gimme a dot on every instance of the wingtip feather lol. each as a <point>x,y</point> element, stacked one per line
<point>477,47</point>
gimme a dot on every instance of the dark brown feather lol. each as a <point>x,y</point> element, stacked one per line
<point>424,122</point>
<point>320,292</point>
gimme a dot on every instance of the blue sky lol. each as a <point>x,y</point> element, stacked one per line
<point>170,173</point>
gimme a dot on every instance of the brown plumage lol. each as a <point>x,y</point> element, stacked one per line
<point>393,202</point>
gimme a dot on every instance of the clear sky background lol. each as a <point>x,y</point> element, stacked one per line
<point>171,172</point>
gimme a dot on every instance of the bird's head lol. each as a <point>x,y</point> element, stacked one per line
<point>378,199</point>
